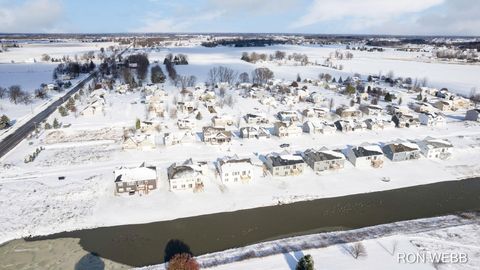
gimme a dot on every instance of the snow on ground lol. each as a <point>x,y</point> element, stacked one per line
<point>384,245</point>
<point>458,78</point>
<point>86,195</point>
<point>31,51</point>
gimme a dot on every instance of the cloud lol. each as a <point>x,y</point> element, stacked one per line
<point>252,7</point>
<point>361,14</point>
<point>157,24</point>
<point>30,16</point>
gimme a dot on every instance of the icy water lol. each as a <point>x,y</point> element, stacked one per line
<point>144,244</point>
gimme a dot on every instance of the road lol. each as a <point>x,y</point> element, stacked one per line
<point>22,132</point>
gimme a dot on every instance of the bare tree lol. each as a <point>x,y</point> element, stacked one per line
<point>244,78</point>
<point>357,250</point>
<point>331,104</point>
<point>15,93</point>
<point>262,75</point>
<point>3,92</point>
<point>222,74</point>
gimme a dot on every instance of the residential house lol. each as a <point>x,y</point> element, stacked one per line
<point>186,123</point>
<point>432,119</point>
<point>348,112</point>
<point>316,126</point>
<point>285,165</point>
<point>222,121</point>
<point>282,129</point>
<point>435,148</point>
<point>365,156</point>
<point>140,180</point>
<point>444,105</point>
<point>287,116</point>
<point>343,125</point>
<point>371,110</point>
<point>405,120</point>
<point>235,170</point>
<point>473,115</point>
<point>215,135</point>
<point>324,159</point>
<point>140,141</point>
<point>188,176</point>
<point>255,119</point>
<point>181,137</point>
<point>401,151</point>
<point>185,106</point>
<point>94,108</point>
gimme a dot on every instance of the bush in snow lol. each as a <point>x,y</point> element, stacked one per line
<point>183,261</point>
<point>63,112</point>
<point>4,122</point>
<point>305,263</point>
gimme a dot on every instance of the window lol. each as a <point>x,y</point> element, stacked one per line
<point>183,186</point>
<point>190,185</point>
<point>174,187</point>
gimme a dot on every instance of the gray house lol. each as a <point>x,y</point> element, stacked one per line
<point>324,159</point>
<point>401,151</point>
<point>473,115</point>
<point>142,179</point>
<point>285,165</point>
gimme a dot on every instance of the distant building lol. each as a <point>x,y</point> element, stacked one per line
<point>282,129</point>
<point>215,135</point>
<point>432,119</point>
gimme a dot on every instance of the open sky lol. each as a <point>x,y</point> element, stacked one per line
<point>442,17</point>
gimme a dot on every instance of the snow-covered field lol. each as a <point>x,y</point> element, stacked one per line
<point>457,77</point>
<point>86,199</point>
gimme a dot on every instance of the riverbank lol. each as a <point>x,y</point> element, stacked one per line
<point>381,241</point>
<point>143,244</point>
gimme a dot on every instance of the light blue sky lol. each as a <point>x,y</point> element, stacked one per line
<point>444,17</point>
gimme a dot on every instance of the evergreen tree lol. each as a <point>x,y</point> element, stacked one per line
<point>298,78</point>
<point>56,124</point>
<point>199,116</point>
<point>63,112</point>
<point>137,124</point>
<point>388,97</point>
<point>305,263</point>
<point>47,126</point>
<point>350,89</point>
<point>4,122</point>
<point>157,75</point>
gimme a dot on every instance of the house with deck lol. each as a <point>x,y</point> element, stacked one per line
<point>234,170</point>
<point>473,115</point>
<point>285,165</point>
<point>255,119</point>
<point>141,180</point>
<point>432,119</point>
<point>282,129</point>
<point>435,148</point>
<point>214,135</point>
<point>187,176</point>
<point>324,159</point>
<point>401,151</point>
<point>365,156</point>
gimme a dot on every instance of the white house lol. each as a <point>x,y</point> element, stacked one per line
<point>435,148</point>
<point>181,137</point>
<point>188,176</point>
<point>365,156</point>
<point>140,141</point>
<point>255,119</point>
<point>186,123</point>
<point>432,119</point>
<point>235,170</point>
<point>372,110</point>
<point>287,116</point>
<point>401,151</point>
<point>285,165</point>
<point>282,129</point>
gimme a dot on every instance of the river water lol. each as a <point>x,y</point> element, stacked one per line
<point>144,244</point>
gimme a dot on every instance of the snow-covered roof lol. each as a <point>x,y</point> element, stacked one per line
<point>135,174</point>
